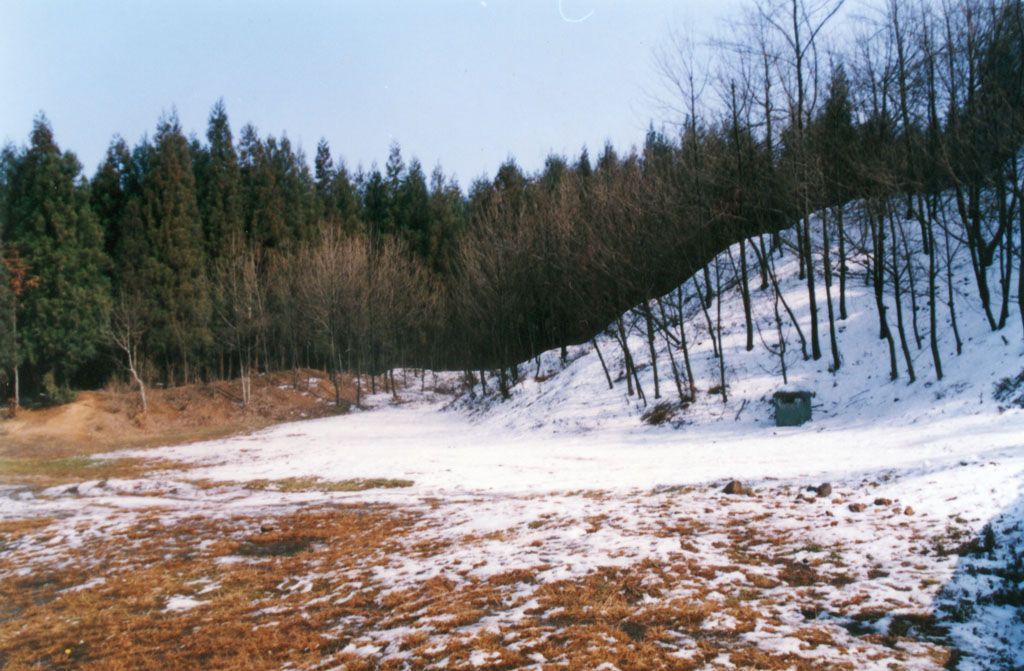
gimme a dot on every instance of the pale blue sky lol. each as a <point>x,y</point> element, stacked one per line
<point>463,82</point>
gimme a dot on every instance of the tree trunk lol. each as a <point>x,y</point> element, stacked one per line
<point>840,231</point>
<point>671,357</point>
<point>745,295</point>
<point>650,346</point>
<point>607,375</point>
<point>899,301</point>
<point>826,257</point>
<point>705,308</point>
<point>686,349</point>
<point>933,338</point>
<point>877,229</point>
<point>721,350</point>
<point>811,290</point>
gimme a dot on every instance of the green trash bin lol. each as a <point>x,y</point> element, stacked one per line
<point>792,408</point>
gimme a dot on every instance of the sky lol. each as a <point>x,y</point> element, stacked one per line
<point>463,83</point>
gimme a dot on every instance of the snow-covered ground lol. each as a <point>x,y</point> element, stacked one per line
<point>565,480</point>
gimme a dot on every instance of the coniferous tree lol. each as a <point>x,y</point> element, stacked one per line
<point>377,207</point>
<point>109,193</point>
<point>834,140</point>
<point>412,209</point>
<point>262,207</point>
<point>327,210</point>
<point>8,351</point>
<point>447,221</point>
<point>295,193</point>
<point>48,220</point>
<point>219,186</point>
<point>582,165</point>
<point>174,274</point>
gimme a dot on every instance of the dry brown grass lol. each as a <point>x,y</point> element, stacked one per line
<point>39,473</point>
<point>100,421</point>
<point>297,590</point>
<point>315,484</point>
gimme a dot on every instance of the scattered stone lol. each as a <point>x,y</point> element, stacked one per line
<point>908,511</point>
<point>824,489</point>
<point>734,487</point>
<point>857,507</point>
<point>266,527</point>
<point>883,502</point>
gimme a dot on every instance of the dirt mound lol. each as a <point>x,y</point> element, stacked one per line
<point>98,421</point>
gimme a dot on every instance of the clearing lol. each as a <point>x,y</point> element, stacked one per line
<point>554,530</point>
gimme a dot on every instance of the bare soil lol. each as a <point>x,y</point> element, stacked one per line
<point>100,421</point>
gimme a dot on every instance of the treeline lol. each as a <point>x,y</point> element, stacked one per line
<point>184,260</point>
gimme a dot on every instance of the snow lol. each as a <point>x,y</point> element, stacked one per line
<point>179,603</point>
<point>567,449</point>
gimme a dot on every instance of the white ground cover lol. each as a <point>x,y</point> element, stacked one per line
<point>568,462</point>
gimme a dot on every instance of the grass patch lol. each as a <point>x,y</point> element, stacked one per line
<point>51,472</point>
<point>315,484</point>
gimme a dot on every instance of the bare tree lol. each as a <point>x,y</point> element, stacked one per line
<point>126,330</point>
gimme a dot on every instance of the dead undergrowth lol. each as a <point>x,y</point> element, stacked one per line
<point>384,587</point>
<point>100,421</point>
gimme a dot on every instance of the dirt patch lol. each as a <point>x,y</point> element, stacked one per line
<point>100,421</point>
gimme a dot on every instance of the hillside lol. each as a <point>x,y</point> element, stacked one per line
<point>574,395</point>
<point>558,528</point>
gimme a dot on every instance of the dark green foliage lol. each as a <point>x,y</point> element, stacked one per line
<point>447,222</point>
<point>555,169</point>
<point>377,207</point>
<point>582,166</point>
<point>173,275</point>
<point>7,307</point>
<point>295,187</point>
<point>263,203</point>
<point>109,193</point>
<point>337,201</point>
<point>412,210</point>
<point>219,185</point>
<point>49,223</point>
<point>833,139</point>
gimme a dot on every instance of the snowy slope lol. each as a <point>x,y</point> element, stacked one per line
<point>944,457</point>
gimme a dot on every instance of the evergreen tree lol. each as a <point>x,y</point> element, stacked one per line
<point>219,185</point>
<point>263,210</point>
<point>582,167</point>
<point>174,274</point>
<point>295,193</point>
<point>49,223</point>
<point>109,193</point>
<point>833,139</point>
<point>412,208</point>
<point>336,201</point>
<point>394,169</point>
<point>8,351</point>
<point>377,207</point>
<point>447,221</point>
<point>323,174</point>
<point>555,170</point>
